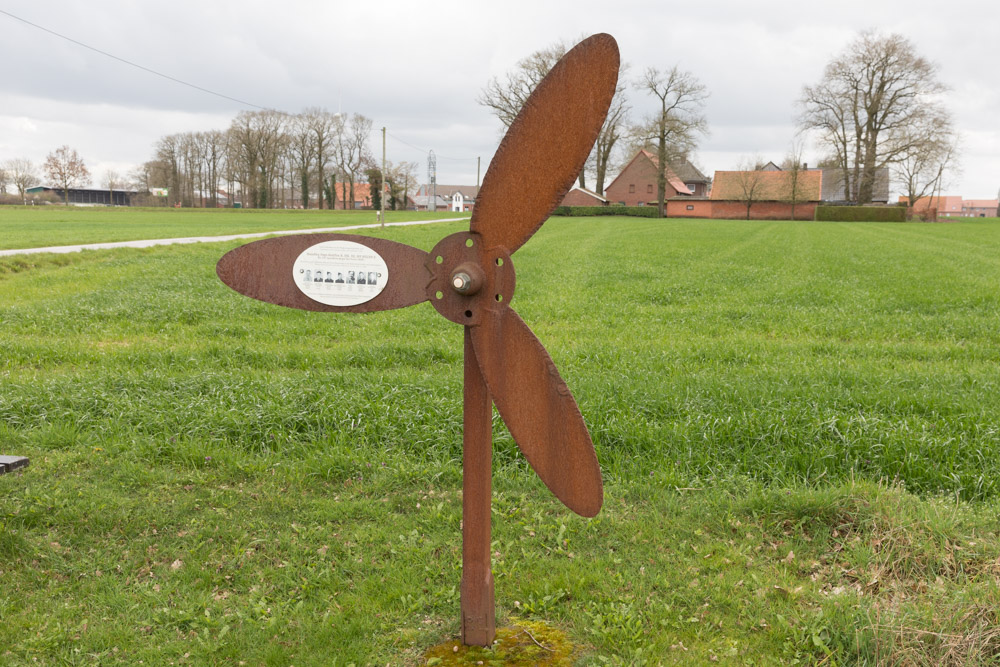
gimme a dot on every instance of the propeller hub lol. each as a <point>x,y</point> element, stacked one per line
<point>468,279</point>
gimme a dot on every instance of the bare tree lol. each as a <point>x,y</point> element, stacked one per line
<point>876,102</point>
<point>112,181</point>
<point>191,168</point>
<point>213,151</point>
<point>612,132</point>
<point>66,169</point>
<point>921,170</point>
<point>326,129</point>
<point>408,176</point>
<point>22,174</point>
<point>353,153</point>
<point>167,167</point>
<point>792,166</point>
<point>749,185</point>
<point>506,97</point>
<point>674,127</point>
<point>4,179</point>
<point>302,154</point>
<point>257,142</point>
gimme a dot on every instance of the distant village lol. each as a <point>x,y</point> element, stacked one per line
<point>767,192</point>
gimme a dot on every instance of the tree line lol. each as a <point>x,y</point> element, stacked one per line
<point>270,158</point>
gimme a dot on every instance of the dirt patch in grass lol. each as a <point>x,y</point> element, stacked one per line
<point>525,643</point>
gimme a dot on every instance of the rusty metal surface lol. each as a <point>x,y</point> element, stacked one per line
<point>478,608</point>
<point>539,410</point>
<point>263,270</point>
<point>469,279</point>
<point>547,144</point>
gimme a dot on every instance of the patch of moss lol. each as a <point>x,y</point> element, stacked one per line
<point>524,643</point>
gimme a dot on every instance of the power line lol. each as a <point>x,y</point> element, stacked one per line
<point>188,84</point>
<point>427,150</point>
<point>129,62</point>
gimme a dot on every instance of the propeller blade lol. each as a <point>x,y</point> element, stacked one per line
<point>357,274</point>
<point>539,409</point>
<point>547,144</point>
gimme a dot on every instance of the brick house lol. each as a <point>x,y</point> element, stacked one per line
<point>954,206</point>
<point>636,184</point>
<point>696,182</point>
<point>578,196</point>
<point>362,196</point>
<point>980,208</point>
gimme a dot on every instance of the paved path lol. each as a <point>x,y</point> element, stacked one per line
<point>209,239</point>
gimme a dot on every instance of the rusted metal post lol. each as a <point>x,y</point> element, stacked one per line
<point>477,603</point>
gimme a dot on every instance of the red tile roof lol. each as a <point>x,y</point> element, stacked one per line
<point>774,185</point>
<point>675,182</point>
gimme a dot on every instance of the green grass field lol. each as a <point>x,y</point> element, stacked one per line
<point>798,423</point>
<point>43,226</point>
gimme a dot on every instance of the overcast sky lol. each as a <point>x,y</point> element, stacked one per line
<point>417,68</point>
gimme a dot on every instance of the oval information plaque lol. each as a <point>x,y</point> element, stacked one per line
<point>340,273</point>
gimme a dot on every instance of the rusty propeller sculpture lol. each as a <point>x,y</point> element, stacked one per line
<point>469,279</point>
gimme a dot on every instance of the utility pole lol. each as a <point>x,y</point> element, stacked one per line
<point>382,196</point>
<point>478,160</point>
<point>432,180</point>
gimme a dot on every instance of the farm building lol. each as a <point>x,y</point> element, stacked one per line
<point>767,195</point>
<point>457,197</point>
<point>88,196</point>
<point>578,196</point>
<point>833,186</point>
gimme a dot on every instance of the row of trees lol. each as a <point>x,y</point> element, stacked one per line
<point>270,158</point>
<point>671,131</point>
<point>878,106</point>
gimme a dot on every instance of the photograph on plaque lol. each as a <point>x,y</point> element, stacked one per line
<point>320,272</point>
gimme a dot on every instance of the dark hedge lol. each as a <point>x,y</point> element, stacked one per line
<point>584,211</point>
<point>860,214</point>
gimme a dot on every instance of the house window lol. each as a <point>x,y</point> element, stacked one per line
<point>642,203</point>
<point>649,189</point>
<point>631,188</point>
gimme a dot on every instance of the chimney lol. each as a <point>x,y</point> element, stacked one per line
<point>805,166</point>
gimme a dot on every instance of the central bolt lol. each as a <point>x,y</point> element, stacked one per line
<point>467,278</point>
